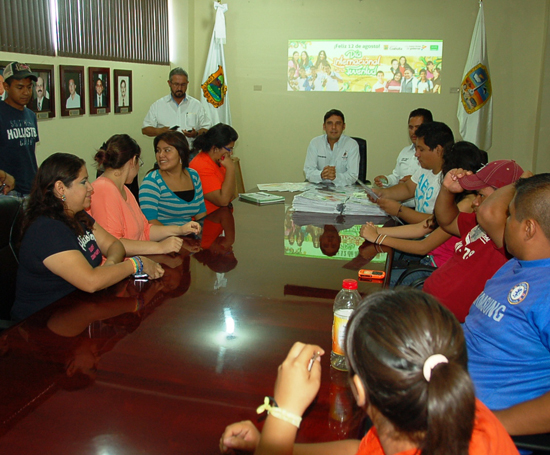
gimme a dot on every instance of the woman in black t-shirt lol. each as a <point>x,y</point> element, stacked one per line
<point>62,246</point>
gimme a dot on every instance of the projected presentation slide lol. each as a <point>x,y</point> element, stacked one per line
<point>382,66</point>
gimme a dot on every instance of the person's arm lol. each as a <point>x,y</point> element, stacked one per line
<point>493,212</point>
<point>418,247</point>
<point>151,131</point>
<point>149,198</point>
<point>399,192</point>
<point>225,194</point>
<point>529,417</point>
<point>446,211</point>
<point>7,182</point>
<point>311,172</point>
<point>150,125</point>
<point>159,233</point>
<point>244,438</point>
<point>72,266</point>
<point>350,176</point>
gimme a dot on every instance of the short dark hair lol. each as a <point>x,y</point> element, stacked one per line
<point>179,71</point>
<point>532,200</point>
<point>176,140</point>
<point>117,151</point>
<point>218,136</point>
<point>389,338</point>
<point>436,133</point>
<point>424,113</point>
<point>334,112</point>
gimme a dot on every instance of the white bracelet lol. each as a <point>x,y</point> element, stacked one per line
<point>279,413</point>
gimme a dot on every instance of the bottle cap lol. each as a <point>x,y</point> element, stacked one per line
<point>349,284</point>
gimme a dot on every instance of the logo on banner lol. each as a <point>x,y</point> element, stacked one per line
<point>518,293</point>
<point>214,89</point>
<point>476,89</point>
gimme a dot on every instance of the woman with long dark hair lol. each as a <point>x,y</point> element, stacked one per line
<point>215,166</point>
<point>63,246</point>
<point>172,194</point>
<point>408,371</point>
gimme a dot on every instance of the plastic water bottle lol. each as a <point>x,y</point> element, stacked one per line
<point>345,302</point>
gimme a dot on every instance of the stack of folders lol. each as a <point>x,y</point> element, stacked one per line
<point>344,202</point>
<point>261,198</point>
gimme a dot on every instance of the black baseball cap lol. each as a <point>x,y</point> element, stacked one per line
<point>19,71</point>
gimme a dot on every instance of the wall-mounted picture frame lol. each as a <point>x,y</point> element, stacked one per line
<point>43,92</point>
<point>72,90</point>
<point>123,91</point>
<point>100,90</point>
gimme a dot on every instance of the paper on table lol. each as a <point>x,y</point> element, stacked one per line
<point>287,186</point>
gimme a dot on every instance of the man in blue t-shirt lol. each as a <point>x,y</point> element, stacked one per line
<point>18,127</point>
<point>508,328</point>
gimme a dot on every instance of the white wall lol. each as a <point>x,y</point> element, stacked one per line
<point>275,126</point>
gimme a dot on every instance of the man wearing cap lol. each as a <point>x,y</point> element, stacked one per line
<point>480,253</point>
<point>18,128</point>
<point>507,330</point>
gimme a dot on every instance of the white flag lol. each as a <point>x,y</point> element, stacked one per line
<point>214,82</point>
<point>475,106</point>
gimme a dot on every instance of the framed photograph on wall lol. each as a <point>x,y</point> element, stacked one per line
<point>43,91</point>
<point>100,90</point>
<point>73,91</point>
<point>123,91</point>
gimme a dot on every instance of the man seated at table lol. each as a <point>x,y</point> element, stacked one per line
<point>407,163</point>
<point>480,253</point>
<point>433,140</point>
<point>332,157</point>
<point>507,330</point>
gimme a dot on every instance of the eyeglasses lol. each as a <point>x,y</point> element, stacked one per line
<point>173,84</point>
<point>140,161</point>
<point>229,150</point>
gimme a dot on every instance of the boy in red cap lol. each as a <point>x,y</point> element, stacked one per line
<point>481,252</point>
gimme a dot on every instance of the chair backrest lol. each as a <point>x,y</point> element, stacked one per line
<point>362,158</point>
<point>10,226</point>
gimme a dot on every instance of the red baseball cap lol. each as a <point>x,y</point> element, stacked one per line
<point>496,175</point>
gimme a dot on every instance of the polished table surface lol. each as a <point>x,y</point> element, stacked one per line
<point>162,367</point>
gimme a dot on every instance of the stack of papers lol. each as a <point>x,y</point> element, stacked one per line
<point>348,201</point>
<point>261,198</point>
<point>287,186</point>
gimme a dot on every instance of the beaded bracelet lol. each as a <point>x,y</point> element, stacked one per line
<point>140,264</point>
<point>279,413</point>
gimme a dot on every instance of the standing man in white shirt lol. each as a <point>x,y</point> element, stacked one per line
<point>407,163</point>
<point>332,157</point>
<point>177,111</point>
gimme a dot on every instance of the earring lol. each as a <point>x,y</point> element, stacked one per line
<point>63,198</point>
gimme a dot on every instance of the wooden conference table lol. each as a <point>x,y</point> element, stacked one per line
<point>162,367</point>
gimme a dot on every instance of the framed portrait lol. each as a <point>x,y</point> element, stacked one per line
<point>123,91</point>
<point>72,90</point>
<point>43,92</point>
<point>100,90</point>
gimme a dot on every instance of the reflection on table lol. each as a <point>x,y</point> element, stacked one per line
<point>164,366</point>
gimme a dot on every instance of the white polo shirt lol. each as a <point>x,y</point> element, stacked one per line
<point>187,115</point>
